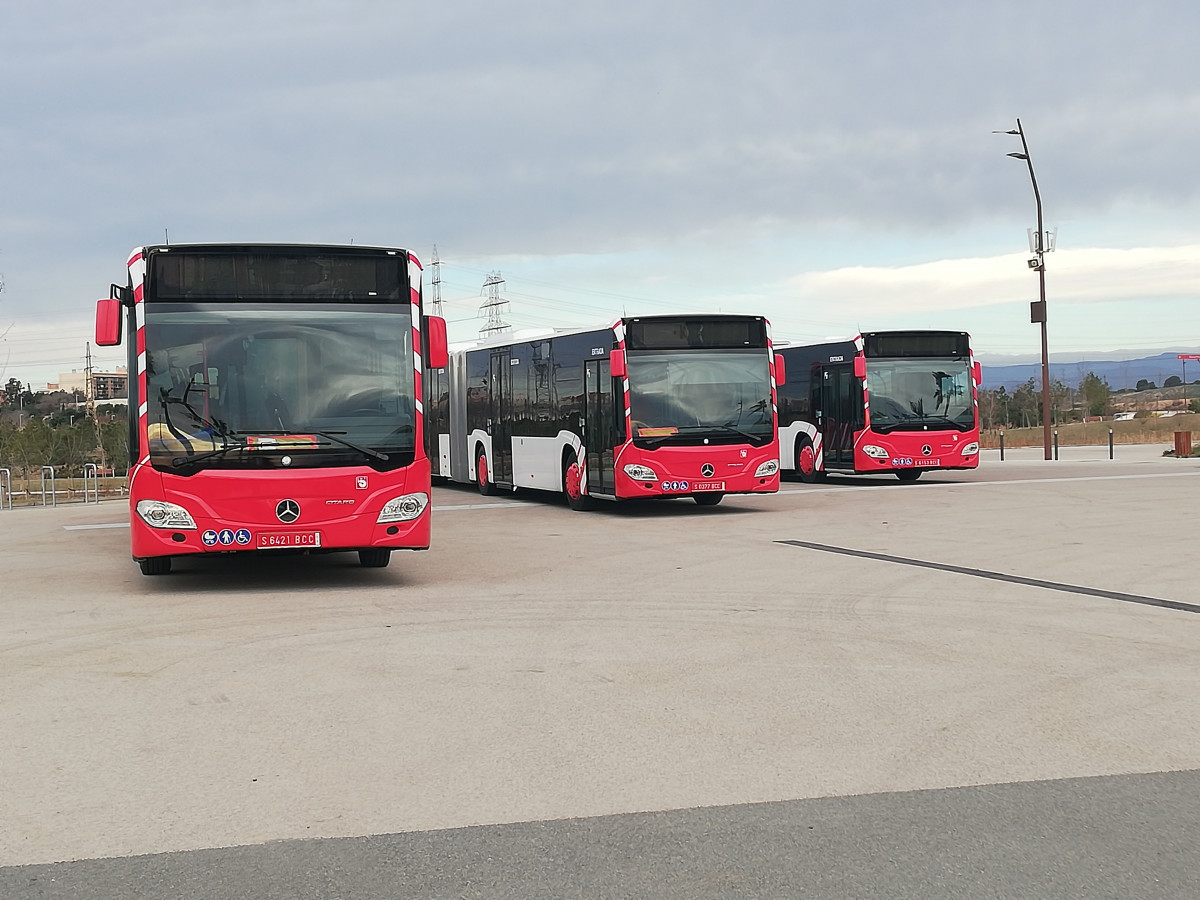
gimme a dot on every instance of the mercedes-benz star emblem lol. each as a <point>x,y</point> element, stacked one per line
<point>927,450</point>
<point>287,511</point>
<point>707,470</point>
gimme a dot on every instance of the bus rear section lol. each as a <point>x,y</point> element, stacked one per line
<point>650,407</point>
<point>276,400</point>
<point>899,402</point>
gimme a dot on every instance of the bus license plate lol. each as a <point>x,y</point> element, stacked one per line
<point>708,485</point>
<point>285,540</point>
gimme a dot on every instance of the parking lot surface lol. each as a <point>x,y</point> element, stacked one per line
<point>981,684</point>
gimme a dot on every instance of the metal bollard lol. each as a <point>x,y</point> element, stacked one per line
<point>1056,443</point>
<point>1002,446</point>
<point>53,492</point>
<point>1110,444</point>
<point>91,475</point>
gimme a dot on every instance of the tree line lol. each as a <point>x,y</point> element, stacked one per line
<point>1022,408</point>
<point>52,428</point>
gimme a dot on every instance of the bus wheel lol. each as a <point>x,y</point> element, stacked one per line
<point>481,475</point>
<point>374,557</point>
<point>572,476</point>
<point>908,474</point>
<point>806,461</point>
<point>155,565</point>
<point>708,499</point>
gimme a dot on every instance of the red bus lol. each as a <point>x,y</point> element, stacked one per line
<point>654,406</point>
<point>277,393</point>
<point>903,402</point>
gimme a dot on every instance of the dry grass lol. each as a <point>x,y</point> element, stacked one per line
<point>1132,431</point>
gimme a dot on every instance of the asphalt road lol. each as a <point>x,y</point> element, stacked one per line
<point>979,685</point>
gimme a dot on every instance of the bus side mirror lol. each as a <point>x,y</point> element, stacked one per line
<point>978,375</point>
<point>108,322</point>
<point>616,363</point>
<point>437,352</point>
<point>860,367</point>
<point>780,371</point>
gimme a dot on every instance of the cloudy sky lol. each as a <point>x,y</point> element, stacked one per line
<point>831,166</point>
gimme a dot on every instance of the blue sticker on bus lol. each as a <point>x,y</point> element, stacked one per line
<point>242,536</point>
<point>209,538</point>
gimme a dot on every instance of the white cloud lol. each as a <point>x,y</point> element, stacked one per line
<point>1093,275</point>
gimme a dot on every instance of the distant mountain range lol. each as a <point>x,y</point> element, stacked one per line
<point>1119,373</point>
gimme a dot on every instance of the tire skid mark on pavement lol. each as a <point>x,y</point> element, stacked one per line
<point>1000,576</point>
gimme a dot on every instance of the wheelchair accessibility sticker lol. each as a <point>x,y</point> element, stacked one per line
<point>226,537</point>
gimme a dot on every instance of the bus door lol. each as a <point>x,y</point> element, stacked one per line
<point>599,413</point>
<point>500,415</point>
<point>841,410</point>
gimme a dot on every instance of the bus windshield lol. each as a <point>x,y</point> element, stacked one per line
<point>263,385</point>
<point>715,394</point>
<point>920,393</point>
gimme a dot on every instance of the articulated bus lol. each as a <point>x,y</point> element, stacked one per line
<point>903,402</point>
<point>654,406</point>
<point>277,398</point>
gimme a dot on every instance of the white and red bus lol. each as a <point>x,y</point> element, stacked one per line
<point>903,402</point>
<point>653,406</point>
<point>277,397</point>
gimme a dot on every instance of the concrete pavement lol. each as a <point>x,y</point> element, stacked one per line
<point>540,668</point>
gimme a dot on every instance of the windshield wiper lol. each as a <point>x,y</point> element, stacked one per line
<point>697,430</point>
<point>892,423</point>
<point>180,461</point>
<point>332,436</point>
<point>214,427</point>
<point>949,421</point>
<point>735,430</point>
<point>725,427</point>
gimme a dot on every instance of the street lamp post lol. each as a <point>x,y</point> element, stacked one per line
<point>1037,309</point>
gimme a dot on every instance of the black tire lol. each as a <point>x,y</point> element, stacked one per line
<point>806,461</point>
<point>375,557</point>
<point>708,499</point>
<point>155,565</point>
<point>908,474</point>
<point>483,478</point>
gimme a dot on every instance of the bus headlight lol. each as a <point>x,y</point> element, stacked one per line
<point>161,514</point>
<point>770,467</point>
<point>970,449</point>
<point>875,452</point>
<point>403,509</point>
<point>638,472</point>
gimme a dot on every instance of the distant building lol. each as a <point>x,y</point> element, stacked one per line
<point>106,386</point>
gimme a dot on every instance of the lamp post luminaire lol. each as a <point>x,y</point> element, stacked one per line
<point>1037,309</point>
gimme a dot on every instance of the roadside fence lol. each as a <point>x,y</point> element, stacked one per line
<point>47,489</point>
